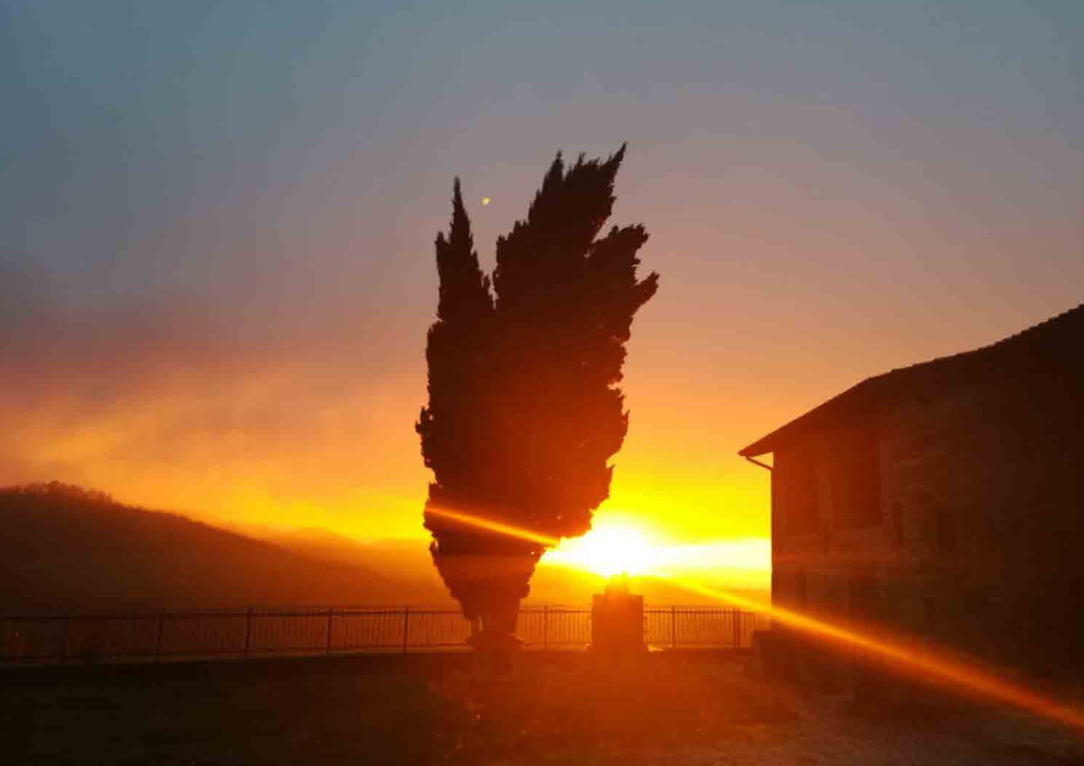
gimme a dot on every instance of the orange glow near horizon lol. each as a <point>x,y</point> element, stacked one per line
<point>169,452</point>
<point>618,544</point>
<point>611,547</point>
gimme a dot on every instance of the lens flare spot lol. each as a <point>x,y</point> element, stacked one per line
<point>608,550</point>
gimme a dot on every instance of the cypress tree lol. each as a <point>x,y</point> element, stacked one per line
<point>452,426</point>
<point>524,409</point>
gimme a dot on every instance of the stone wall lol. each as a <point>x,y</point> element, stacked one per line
<point>976,536</point>
<point>982,493</point>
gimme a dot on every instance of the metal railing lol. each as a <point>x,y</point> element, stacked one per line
<point>177,635</point>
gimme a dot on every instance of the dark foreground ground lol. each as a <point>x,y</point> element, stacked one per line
<point>559,708</point>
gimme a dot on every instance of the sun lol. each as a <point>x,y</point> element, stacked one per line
<point>608,549</point>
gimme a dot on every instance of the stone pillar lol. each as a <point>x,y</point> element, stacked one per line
<point>617,619</point>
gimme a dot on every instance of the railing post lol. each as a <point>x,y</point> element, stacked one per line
<point>702,627</point>
<point>158,639</point>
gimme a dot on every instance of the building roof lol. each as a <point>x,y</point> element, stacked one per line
<point>1054,344</point>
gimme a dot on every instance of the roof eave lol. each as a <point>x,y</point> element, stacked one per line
<point>757,448</point>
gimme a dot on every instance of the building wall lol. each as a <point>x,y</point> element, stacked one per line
<point>983,489</point>
<point>821,565</point>
<point>828,543</point>
<point>975,537</point>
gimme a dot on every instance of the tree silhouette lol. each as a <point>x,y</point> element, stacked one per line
<point>524,410</point>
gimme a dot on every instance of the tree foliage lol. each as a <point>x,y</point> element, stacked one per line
<point>524,408</point>
<point>59,489</point>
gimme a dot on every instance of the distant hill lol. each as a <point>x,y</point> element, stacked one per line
<point>405,560</point>
<point>62,547</point>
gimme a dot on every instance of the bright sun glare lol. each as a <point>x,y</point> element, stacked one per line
<point>608,550</point>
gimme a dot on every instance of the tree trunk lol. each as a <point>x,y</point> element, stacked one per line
<point>489,588</point>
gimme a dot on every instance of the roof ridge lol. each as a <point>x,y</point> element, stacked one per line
<point>1001,342</point>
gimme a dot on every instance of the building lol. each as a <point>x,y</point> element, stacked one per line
<point>945,501</point>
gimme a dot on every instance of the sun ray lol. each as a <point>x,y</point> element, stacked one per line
<point>947,672</point>
<point>492,525</point>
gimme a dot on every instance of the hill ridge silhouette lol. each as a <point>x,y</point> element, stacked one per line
<point>66,548</point>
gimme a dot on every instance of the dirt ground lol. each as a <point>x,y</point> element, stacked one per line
<point>559,708</point>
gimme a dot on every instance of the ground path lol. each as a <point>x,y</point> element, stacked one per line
<point>556,708</point>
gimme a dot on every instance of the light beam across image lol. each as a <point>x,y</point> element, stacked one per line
<point>932,666</point>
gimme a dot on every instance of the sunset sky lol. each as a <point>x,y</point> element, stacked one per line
<point>218,219</point>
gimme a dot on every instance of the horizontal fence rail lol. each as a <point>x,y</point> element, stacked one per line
<point>177,635</point>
